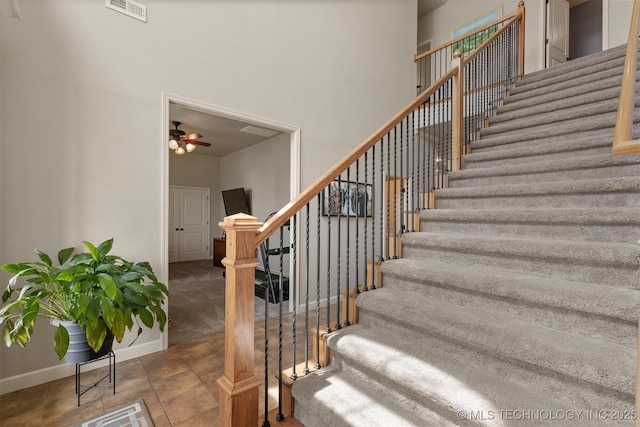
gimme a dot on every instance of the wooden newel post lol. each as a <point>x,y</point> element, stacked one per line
<point>521,10</point>
<point>457,119</point>
<point>238,394</point>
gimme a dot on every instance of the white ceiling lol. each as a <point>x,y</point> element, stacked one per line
<point>224,134</point>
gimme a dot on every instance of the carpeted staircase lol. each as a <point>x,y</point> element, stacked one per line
<point>518,302</point>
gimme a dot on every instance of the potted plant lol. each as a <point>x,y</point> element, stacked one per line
<point>100,293</point>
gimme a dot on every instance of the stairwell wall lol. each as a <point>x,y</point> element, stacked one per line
<point>437,25</point>
<point>82,113</point>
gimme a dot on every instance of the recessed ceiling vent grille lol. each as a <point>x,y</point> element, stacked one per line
<point>129,8</point>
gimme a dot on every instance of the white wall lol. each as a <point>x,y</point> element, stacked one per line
<point>82,111</point>
<point>618,21</point>
<point>263,171</point>
<point>437,25</point>
<point>196,170</point>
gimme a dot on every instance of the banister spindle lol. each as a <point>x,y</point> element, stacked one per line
<point>306,292</point>
<point>293,293</point>
<point>328,327</point>
<point>317,365</point>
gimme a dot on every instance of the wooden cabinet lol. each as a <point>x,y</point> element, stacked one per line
<point>219,252</point>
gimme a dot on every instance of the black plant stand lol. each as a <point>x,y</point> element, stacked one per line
<point>111,375</point>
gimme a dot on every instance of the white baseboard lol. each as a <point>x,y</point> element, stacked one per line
<point>41,376</point>
<point>313,304</point>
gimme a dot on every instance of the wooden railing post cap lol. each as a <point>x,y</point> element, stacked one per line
<point>240,221</point>
<point>521,3</point>
<point>457,53</point>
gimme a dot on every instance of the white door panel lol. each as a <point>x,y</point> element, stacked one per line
<point>557,32</point>
<point>188,224</point>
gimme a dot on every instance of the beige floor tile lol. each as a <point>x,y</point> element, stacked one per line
<point>187,405</point>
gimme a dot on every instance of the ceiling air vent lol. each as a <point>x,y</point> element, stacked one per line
<point>129,8</point>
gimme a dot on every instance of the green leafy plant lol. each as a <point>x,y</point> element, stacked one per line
<point>98,291</point>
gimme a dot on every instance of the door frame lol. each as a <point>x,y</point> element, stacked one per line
<point>543,31</point>
<point>205,107</point>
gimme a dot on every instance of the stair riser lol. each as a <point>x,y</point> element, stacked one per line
<point>535,98</point>
<point>589,83</point>
<point>503,116</point>
<point>570,131</point>
<point>572,126</point>
<point>631,170</point>
<point>555,118</point>
<point>580,65</point>
<point>629,233</point>
<point>580,323</point>
<point>470,162</point>
<point>534,201</point>
<point>570,268</point>
<point>552,383</point>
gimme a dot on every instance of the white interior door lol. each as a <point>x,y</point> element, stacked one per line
<point>557,32</point>
<point>188,223</point>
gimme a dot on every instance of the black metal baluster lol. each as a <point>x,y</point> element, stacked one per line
<point>265,260</point>
<point>347,322</point>
<point>358,233</point>
<point>373,210</point>
<point>412,203</point>
<point>338,245</point>
<point>317,365</point>
<point>292,291</point>
<point>306,294</point>
<point>403,180</point>
<point>279,415</point>
<point>395,185</point>
<point>388,182</point>
<point>381,213</point>
<point>328,327</point>
<point>364,221</point>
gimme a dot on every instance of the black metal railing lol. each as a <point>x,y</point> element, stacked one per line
<point>434,63</point>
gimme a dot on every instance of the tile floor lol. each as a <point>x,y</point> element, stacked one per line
<point>179,387</point>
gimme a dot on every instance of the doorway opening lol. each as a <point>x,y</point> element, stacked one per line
<point>254,153</point>
<point>573,29</point>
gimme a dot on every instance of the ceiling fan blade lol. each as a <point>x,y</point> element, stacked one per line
<point>193,136</point>
<point>204,144</point>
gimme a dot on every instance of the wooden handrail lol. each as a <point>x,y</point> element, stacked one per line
<point>622,143</point>
<point>290,209</point>
<point>494,36</point>
<point>462,37</point>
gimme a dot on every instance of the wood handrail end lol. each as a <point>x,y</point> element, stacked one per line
<point>629,147</point>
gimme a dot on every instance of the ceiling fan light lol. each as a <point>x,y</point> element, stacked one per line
<point>173,144</point>
<point>180,150</point>
<point>190,147</point>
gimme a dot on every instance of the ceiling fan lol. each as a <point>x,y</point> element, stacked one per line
<point>181,142</point>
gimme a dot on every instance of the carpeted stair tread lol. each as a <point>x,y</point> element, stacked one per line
<point>603,224</point>
<point>542,97</point>
<point>613,192</point>
<point>498,143</point>
<point>569,301</point>
<point>575,64</point>
<point>336,397</point>
<point>580,75</point>
<point>577,168</point>
<point>596,144</point>
<point>613,264</point>
<point>432,377</point>
<point>503,115</point>
<point>537,134</point>
<point>570,126</point>
<point>521,343</point>
<point>533,121</point>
